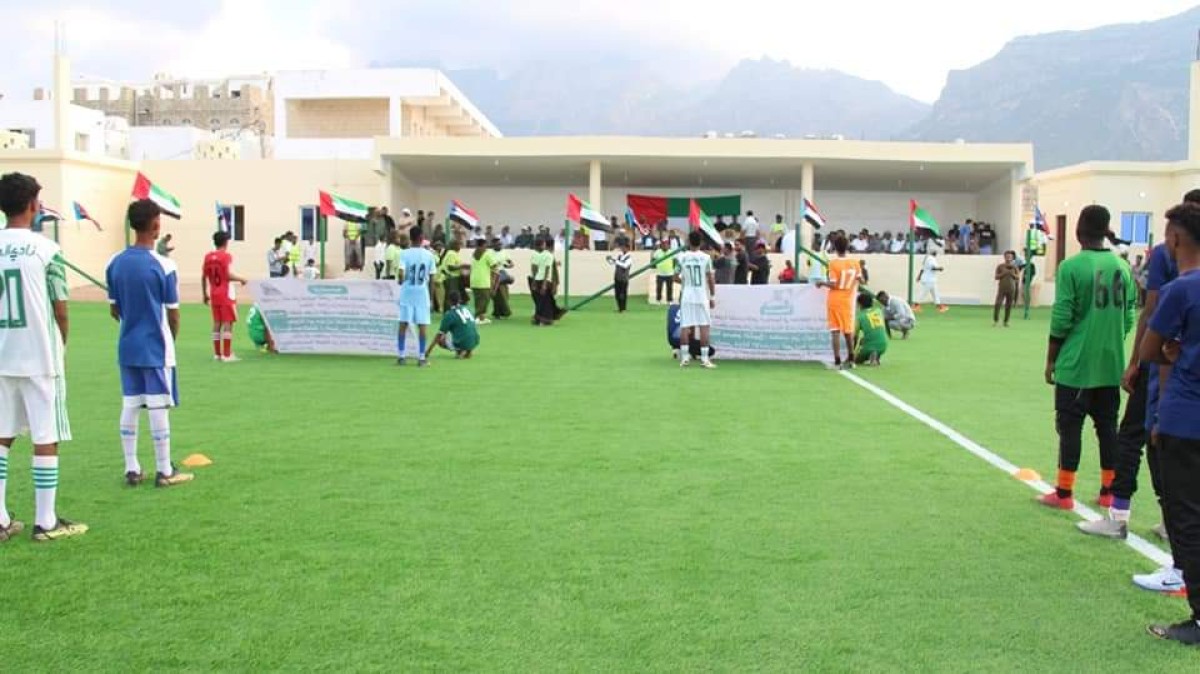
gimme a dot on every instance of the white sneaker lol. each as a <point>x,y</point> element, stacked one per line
<point>684,362</point>
<point>483,321</point>
<point>218,358</point>
<point>232,359</point>
<point>708,364</point>
<point>1166,579</point>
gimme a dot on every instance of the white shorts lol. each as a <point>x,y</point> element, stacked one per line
<point>694,314</point>
<point>36,406</point>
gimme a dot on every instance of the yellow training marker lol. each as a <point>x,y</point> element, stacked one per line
<point>197,461</point>
<point>1027,475</point>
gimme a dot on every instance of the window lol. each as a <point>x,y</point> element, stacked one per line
<point>83,142</point>
<point>232,218</point>
<point>233,121</point>
<point>309,221</point>
<point>214,124</point>
<point>187,122</point>
<point>1135,228</point>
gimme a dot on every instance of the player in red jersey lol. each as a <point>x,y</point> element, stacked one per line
<point>216,282</point>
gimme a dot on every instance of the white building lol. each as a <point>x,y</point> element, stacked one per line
<point>35,119</point>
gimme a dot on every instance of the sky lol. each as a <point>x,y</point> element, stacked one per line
<point>910,46</point>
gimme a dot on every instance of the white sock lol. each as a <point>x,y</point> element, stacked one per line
<point>129,438</point>
<point>160,431</point>
<point>1118,515</point>
<point>707,351</point>
<point>5,520</point>
<point>45,489</point>
<point>685,353</point>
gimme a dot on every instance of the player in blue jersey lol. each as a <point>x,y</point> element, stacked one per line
<point>415,274</point>
<point>143,293</point>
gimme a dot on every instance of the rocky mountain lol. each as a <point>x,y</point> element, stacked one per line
<point>548,97</point>
<point>1116,92</point>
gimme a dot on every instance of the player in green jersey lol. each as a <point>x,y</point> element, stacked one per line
<point>870,333</point>
<point>259,333</point>
<point>1094,311</point>
<point>457,331</point>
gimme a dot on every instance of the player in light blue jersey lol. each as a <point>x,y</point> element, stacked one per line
<point>143,293</point>
<point>415,274</point>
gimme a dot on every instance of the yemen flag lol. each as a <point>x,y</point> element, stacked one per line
<point>581,212</point>
<point>698,220</point>
<point>463,215</point>
<point>144,189</point>
<point>812,215</point>
<point>333,205</point>
<point>920,219</point>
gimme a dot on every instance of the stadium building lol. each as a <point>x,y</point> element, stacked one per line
<point>408,138</point>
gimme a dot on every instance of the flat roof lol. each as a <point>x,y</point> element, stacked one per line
<point>692,162</point>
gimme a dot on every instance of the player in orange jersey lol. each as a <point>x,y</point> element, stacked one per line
<point>843,277</point>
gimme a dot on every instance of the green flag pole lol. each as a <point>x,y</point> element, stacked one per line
<point>567,263</point>
<point>632,275</point>
<point>322,234</point>
<point>85,275</point>
<point>128,240</point>
<point>912,257</point>
<point>796,256</point>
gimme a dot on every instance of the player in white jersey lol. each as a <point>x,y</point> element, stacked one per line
<point>415,274</point>
<point>698,297</point>
<point>33,334</point>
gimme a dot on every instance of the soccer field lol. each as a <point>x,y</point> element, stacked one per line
<point>571,500</point>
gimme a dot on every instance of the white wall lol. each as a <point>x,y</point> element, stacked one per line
<point>38,116</point>
<point>155,143</point>
<point>995,205</point>
<point>330,149</point>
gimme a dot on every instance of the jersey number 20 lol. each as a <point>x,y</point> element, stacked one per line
<point>12,299</point>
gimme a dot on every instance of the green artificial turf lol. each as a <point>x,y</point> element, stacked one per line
<point>569,500</point>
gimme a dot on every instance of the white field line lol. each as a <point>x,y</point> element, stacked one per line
<point>1139,544</point>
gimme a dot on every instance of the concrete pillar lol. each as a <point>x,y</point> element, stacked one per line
<point>395,116</point>
<point>1194,114</point>
<point>595,186</point>
<point>806,192</point>
<point>63,136</point>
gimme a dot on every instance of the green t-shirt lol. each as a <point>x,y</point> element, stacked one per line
<point>459,323</point>
<point>541,264</point>
<point>872,332</point>
<point>662,265</point>
<point>256,327</point>
<point>449,265</point>
<point>481,269</point>
<point>391,260</point>
<point>1094,310</point>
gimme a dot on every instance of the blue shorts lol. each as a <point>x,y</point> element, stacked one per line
<point>416,313</point>
<point>150,387</point>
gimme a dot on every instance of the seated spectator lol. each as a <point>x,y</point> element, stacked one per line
<point>788,275</point>
<point>900,244</point>
<point>858,244</point>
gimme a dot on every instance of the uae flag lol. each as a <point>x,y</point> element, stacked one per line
<point>144,189</point>
<point>336,206</point>
<point>581,212</point>
<point>919,219</point>
<point>813,216</point>
<point>463,215</point>
<point>698,220</point>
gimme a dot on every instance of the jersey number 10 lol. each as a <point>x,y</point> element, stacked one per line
<point>694,278</point>
<point>12,299</point>
<point>415,275</point>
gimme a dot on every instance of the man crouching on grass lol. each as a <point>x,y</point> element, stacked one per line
<point>457,331</point>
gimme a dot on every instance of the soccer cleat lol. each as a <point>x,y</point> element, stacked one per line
<point>1168,580</point>
<point>133,479</point>
<point>916,308</point>
<point>175,479</point>
<point>1104,500</point>
<point>1160,530</point>
<point>422,363</point>
<point>14,527</point>
<point>62,529</point>
<point>1105,528</point>
<point>942,308</point>
<point>218,358</point>
<point>708,364</point>
<point>400,361</point>
<point>904,334</point>
<point>1052,500</point>
<point>684,362</point>
<point>483,321</point>
<point>674,354</point>
<point>1186,632</point>
<point>232,359</point>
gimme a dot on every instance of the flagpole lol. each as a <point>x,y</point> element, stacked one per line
<point>796,243</point>
<point>912,251</point>
<point>567,262</point>
<point>322,234</point>
<point>1028,274</point>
